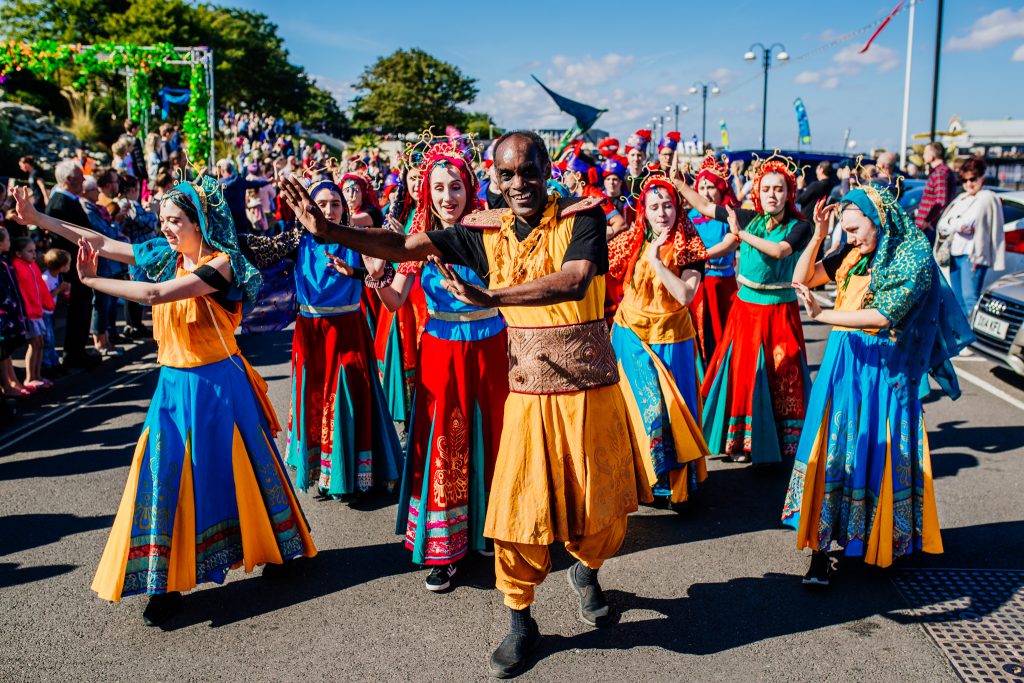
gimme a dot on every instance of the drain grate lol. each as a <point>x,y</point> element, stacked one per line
<point>975,616</point>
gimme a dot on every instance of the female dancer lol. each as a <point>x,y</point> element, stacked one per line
<point>397,332</point>
<point>711,303</point>
<point>340,434</point>
<point>862,476</point>
<point>460,393</point>
<point>756,384</point>
<point>653,339</point>
<point>207,490</point>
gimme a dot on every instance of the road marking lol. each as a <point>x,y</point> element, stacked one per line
<point>44,421</point>
<point>990,388</point>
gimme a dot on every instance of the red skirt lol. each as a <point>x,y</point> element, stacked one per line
<point>396,345</point>
<point>755,389</point>
<point>453,442</point>
<point>340,436</point>
<point>710,311</point>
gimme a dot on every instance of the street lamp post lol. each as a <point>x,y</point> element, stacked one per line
<point>677,108</point>
<point>766,52</point>
<point>703,89</point>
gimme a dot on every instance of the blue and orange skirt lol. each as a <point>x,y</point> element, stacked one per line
<point>756,385</point>
<point>659,384</point>
<point>340,435</point>
<point>453,442</point>
<point>862,476</point>
<point>207,490</point>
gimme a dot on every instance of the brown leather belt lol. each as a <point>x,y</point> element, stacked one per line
<point>558,360</point>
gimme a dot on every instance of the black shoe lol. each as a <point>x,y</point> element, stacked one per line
<point>820,571</point>
<point>593,607</point>
<point>161,607</point>
<point>509,660</point>
<point>440,577</point>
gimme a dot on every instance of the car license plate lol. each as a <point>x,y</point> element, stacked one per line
<point>994,327</point>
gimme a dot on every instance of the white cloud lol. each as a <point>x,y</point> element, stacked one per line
<point>722,76</point>
<point>588,71</point>
<point>991,29</point>
<point>1018,54</point>
<point>852,60</point>
<point>807,77</point>
<point>828,35</point>
<point>830,83</point>
<point>341,89</point>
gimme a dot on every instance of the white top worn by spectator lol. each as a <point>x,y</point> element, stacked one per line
<point>976,224</point>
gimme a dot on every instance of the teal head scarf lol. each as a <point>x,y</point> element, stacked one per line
<point>161,262</point>
<point>927,326</point>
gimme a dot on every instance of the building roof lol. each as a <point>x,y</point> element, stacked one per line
<point>988,132</point>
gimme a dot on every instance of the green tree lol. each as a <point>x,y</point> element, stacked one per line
<point>251,64</point>
<point>409,91</point>
<point>481,126</point>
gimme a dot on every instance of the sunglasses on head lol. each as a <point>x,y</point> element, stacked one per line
<point>969,179</point>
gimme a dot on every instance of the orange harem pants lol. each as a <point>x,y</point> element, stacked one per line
<point>520,567</point>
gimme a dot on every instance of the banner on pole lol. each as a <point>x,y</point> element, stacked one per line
<point>725,135</point>
<point>802,122</point>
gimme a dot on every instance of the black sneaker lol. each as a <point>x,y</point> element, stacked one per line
<point>161,607</point>
<point>820,571</point>
<point>593,607</point>
<point>509,660</point>
<point>440,577</point>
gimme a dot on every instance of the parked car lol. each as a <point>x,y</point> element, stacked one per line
<point>997,319</point>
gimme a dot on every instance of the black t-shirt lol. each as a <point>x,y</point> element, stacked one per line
<point>799,235</point>
<point>495,200</point>
<point>465,246</point>
<point>37,192</point>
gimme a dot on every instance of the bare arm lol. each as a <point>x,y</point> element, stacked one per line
<point>809,269</point>
<point>682,287</point>
<point>107,247</point>
<point>373,242</point>
<point>864,319</point>
<point>395,295</point>
<point>149,293</point>
<point>616,225</point>
<point>728,245</point>
<point>702,205</point>
<point>568,284</point>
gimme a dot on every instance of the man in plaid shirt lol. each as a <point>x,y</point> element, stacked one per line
<point>938,191</point>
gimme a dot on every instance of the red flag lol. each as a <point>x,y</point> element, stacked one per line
<point>880,27</point>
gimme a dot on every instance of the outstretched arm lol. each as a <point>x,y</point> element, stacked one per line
<point>568,284</point>
<point>107,247</point>
<point>375,242</point>
<point>149,293</point>
<point>396,294</point>
<point>809,270</point>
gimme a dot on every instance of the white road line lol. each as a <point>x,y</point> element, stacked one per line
<point>44,421</point>
<point>990,388</point>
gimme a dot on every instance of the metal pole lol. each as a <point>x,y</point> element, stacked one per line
<point>935,76</point>
<point>677,117</point>
<point>906,88</point>
<point>764,103</point>
<point>704,119</point>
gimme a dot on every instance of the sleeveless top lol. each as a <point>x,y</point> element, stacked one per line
<point>320,289</point>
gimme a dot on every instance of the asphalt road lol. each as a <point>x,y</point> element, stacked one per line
<point>710,594</point>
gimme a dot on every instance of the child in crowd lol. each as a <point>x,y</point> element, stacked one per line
<point>12,321</point>
<point>36,296</point>
<point>56,262</point>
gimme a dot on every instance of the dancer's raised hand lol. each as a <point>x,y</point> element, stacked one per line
<point>306,212</point>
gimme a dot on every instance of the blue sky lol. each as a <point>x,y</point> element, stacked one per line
<point>636,62</point>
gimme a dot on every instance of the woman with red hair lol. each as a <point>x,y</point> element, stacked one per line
<point>653,338</point>
<point>756,385</point>
<point>459,394</point>
<point>710,305</point>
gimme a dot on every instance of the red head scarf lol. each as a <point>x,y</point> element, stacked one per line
<point>782,166</point>
<point>365,187</point>
<point>717,173</point>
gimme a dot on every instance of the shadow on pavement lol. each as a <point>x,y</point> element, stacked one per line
<point>714,617</point>
<point>113,448</point>
<point>329,572</point>
<point>954,434</point>
<point>12,574</point>
<point>950,464</point>
<point>266,348</point>
<point>23,532</point>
